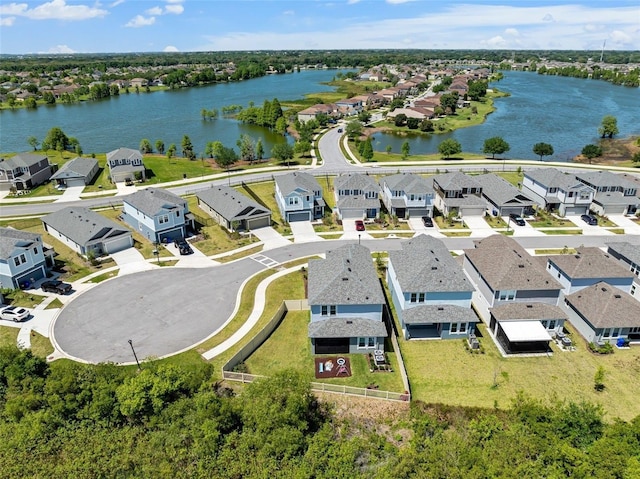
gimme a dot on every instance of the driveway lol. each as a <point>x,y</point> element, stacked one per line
<point>587,229</point>
<point>71,193</point>
<point>630,226</point>
<point>303,232</point>
<point>478,226</point>
<point>350,232</point>
<point>130,260</point>
<point>270,237</point>
<point>418,226</point>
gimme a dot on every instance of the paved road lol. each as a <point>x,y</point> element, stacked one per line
<point>332,158</point>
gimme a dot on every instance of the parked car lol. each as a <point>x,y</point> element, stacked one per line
<point>339,130</point>
<point>183,247</point>
<point>517,219</point>
<point>590,220</point>
<point>55,286</point>
<point>428,222</point>
<point>15,313</point>
<point>359,225</point>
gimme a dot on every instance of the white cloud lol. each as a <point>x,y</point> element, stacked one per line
<point>61,49</point>
<point>174,9</point>
<point>352,2</point>
<point>170,48</point>
<point>288,12</point>
<point>140,21</point>
<point>548,18</point>
<point>116,3</point>
<point>398,2</point>
<point>7,21</point>
<point>620,38</point>
<point>53,10</point>
<point>154,11</point>
<point>512,32</point>
<point>496,42</point>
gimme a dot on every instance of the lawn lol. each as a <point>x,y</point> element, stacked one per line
<point>495,221</point>
<point>444,223</point>
<point>161,169</point>
<point>555,251</point>
<point>8,336</point>
<point>444,372</point>
<point>544,219</point>
<point>266,194</point>
<point>562,232</point>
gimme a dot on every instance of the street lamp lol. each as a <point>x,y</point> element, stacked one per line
<point>358,238</point>
<point>156,252</point>
<point>134,354</point>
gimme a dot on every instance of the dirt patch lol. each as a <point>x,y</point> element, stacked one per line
<point>614,151</point>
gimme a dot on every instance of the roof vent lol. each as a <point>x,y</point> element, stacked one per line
<point>440,308</point>
<point>604,290</point>
<point>345,279</point>
<point>617,296</point>
<point>521,265</point>
<point>349,321</point>
<point>433,268</point>
<point>529,306</point>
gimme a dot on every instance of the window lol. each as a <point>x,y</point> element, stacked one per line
<point>421,298</point>
<point>545,324</point>
<point>371,342</point>
<point>552,324</point>
<point>35,250</point>
<point>18,260</point>
<point>633,289</point>
<point>323,310</point>
<point>361,343</point>
<point>507,295</point>
<point>606,333</point>
<point>293,201</point>
<point>163,219</point>
<point>177,214</point>
<point>414,297</point>
<point>571,194</point>
<point>366,342</point>
<point>463,327</point>
<point>453,328</point>
<point>333,309</point>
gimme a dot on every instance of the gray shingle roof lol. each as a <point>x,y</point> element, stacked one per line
<point>629,251</point>
<point>455,181</point>
<point>11,237</point>
<point>505,265</point>
<point>82,225</point>
<point>21,160</point>
<point>347,276</point>
<point>357,202</point>
<point>605,306</point>
<point>123,154</point>
<point>152,201</point>
<point>76,168</point>
<point>230,203</point>
<point>297,180</point>
<point>553,178</point>
<point>409,183</point>
<point>347,328</point>
<point>605,178</point>
<point>355,181</point>
<point>424,264</point>
<point>589,263</point>
<point>526,311</point>
<point>438,313</point>
<point>501,192</point>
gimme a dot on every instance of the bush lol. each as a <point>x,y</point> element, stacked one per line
<point>606,348</point>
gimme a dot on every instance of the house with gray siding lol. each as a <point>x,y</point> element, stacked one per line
<point>299,197</point>
<point>125,164</point>
<point>408,195</point>
<point>23,258</point>
<point>87,232</point>
<point>602,313</point>
<point>587,267</point>
<point>356,196</point>
<point>24,171</point>
<point>157,214</point>
<point>629,256</point>
<point>614,194</point>
<point>558,191</point>
<point>430,291</point>
<point>77,172</point>
<point>346,302</point>
<point>459,194</point>
<point>232,209</point>
<point>504,198</point>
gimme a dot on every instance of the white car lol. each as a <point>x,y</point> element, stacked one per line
<point>15,313</point>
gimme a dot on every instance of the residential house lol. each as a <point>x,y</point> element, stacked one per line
<point>312,112</point>
<point>459,194</point>
<point>24,171</point>
<point>346,302</point>
<point>77,172</point>
<point>429,290</point>
<point>125,164</point>
<point>614,194</point>
<point>558,191</point>
<point>23,258</point>
<point>349,106</point>
<point>418,112</point>
<point>629,256</point>
<point>588,267</point>
<point>407,195</point>
<point>504,198</point>
<point>356,196</point>
<point>87,232</point>
<point>299,197</point>
<point>157,214</point>
<point>232,209</point>
<point>602,313</point>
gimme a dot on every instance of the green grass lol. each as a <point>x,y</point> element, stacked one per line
<point>512,177</point>
<point>617,231</point>
<point>266,192</point>
<point>456,234</point>
<point>549,251</point>
<point>8,336</point>
<point>55,304</point>
<point>240,254</point>
<point>562,232</point>
<point>449,225</point>
<point>160,169</point>
<point>17,297</point>
<point>495,221</point>
<point>544,219</point>
<point>604,221</point>
<point>386,226</point>
<point>398,235</point>
<point>101,277</point>
<point>40,346</point>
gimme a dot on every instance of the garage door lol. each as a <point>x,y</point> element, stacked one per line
<point>75,182</point>
<point>419,212</point>
<point>117,244</point>
<point>575,210</point>
<point>472,211</point>
<point>302,216</point>
<point>516,210</point>
<point>332,346</point>
<point>259,222</point>
<point>352,214</point>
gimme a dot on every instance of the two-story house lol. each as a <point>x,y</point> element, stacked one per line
<point>299,197</point>
<point>23,259</point>
<point>558,191</point>
<point>125,164</point>
<point>349,106</point>
<point>346,302</point>
<point>24,171</point>
<point>504,198</point>
<point>614,194</point>
<point>356,196</point>
<point>629,257</point>
<point>510,283</point>
<point>407,195</point>
<point>459,194</point>
<point>430,291</point>
<point>157,214</point>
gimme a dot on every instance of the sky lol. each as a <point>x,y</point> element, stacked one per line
<point>99,26</point>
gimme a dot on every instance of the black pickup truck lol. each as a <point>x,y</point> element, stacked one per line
<point>55,286</point>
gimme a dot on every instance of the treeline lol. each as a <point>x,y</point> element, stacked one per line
<point>631,78</point>
<point>74,420</point>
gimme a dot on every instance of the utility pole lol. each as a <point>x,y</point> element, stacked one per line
<point>134,354</point>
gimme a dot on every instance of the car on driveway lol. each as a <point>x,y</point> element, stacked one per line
<point>517,219</point>
<point>359,225</point>
<point>183,247</point>
<point>428,222</point>
<point>55,286</point>
<point>590,220</point>
<point>15,313</point>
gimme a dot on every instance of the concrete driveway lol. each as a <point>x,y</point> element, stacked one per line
<point>418,226</point>
<point>130,260</point>
<point>270,237</point>
<point>303,232</point>
<point>71,193</point>
<point>350,232</point>
<point>587,229</point>
<point>630,226</point>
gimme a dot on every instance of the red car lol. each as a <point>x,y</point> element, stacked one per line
<point>359,225</point>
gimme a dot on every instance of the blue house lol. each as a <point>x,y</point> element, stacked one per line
<point>346,303</point>
<point>356,196</point>
<point>299,197</point>
<point>23,258</point>
<point>157,214</point>
<point>430,292</point>
<point>407,195</point>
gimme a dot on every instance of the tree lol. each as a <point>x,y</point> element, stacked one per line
<point>495,146</point>
<point>145,146</point>
<point>449,147</point>
<point>247,147</point>
<point>33,142</point>
<point>171,152</point>
<point>367,150</point>
<point>609,126</point>
<point>449,101</point>
<point>282,152</point>
<point>543,149</point>
<point>281,125</point>
<point>413,123</point>
<point>364,116</point>
<point>354,129</point>
<point>259,150</point>
<point>187,148</point>
<point>388,149</point>
<point>160,146</point>
<point>426,125</point>
<point>400,119</point>
<point>405,149</point>
<point>225,157</point>
<point>55,140</point>
<point>591,151</point>
<point>302,148</point>
<point>636,157</point>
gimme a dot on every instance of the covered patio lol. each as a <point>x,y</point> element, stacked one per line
<point>518,337</point>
